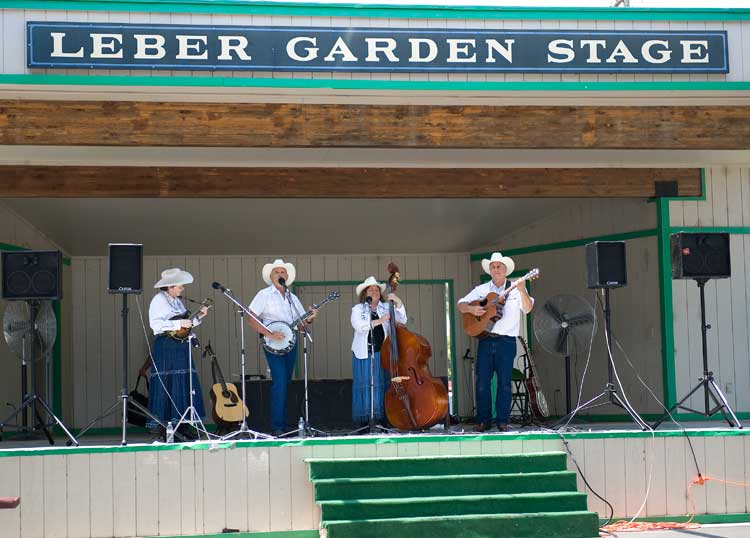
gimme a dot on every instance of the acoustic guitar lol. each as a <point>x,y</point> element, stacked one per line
<point>227,405</point>
<point>481,326</point>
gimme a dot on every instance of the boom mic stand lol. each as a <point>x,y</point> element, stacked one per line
<point>244,431</point>
<point>307,430</point>
<point>707,380</point>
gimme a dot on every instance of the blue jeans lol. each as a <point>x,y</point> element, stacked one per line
<point>282,368</point>
<point>495,356</point>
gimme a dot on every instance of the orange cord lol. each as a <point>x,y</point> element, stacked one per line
<point>640,526</point>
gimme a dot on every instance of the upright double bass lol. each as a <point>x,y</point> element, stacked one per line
<point>415,400</point>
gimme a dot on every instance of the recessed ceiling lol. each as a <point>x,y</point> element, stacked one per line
<point>84,227</point>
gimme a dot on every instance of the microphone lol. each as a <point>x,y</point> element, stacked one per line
<point>218,286</point>
<point>282,282</point>
<point>368,300</point>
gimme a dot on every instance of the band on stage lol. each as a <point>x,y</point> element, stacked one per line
<point>387,391</point>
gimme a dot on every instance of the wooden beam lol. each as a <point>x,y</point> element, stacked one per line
<point>383,126</point>
<point>187,182</point>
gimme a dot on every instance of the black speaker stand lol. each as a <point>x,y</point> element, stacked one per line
<point>31,399</point>
<point>710,387</point>
<point>610,389</point>
<point>124,398</point>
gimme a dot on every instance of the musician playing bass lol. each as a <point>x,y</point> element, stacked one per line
<point>497,351</point>
<point>172,357</point>
<point>271,304</point>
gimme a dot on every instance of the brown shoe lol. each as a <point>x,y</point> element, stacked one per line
<point>482,427</point>
<point>503,428</point>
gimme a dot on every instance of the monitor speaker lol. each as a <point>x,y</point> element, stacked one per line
<point>700,255</point>
<point>32,274</point>
<point>125,268</point>
<point>605,264</point>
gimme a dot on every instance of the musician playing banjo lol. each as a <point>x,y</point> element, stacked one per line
<point>271,304</point>
<point>497,351</point>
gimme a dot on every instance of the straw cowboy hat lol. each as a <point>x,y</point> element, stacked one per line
<point>370,282</point>
<point>174,277</point>
<point>290,271</point>
<point>497,257</point>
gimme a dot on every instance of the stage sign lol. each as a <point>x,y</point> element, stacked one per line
<point>277,48</point>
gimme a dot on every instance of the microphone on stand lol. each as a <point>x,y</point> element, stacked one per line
<point>218,286</point>
<point>282,282</point>
<point>368,300</point>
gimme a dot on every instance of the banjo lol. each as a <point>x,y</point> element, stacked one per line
<point>285,345</point>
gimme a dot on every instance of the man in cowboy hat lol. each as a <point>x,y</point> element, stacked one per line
<point>271,304</point>
<point>497,351</point>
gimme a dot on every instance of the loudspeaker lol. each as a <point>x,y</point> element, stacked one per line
<point>700,255</point>
<point>125,268</point>
<point>605,264</point>
<point>32,274</point>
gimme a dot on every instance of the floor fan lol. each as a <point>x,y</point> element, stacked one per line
<point>563,324</point>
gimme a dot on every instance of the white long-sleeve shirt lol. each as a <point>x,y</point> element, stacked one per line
<point>361,320</point>
<point>163,307</point>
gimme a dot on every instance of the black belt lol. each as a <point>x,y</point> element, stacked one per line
<point>492,335</point>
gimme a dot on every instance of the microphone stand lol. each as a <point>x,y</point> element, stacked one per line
<point>244,430</point>
<point>371,426</point>
<point>307,430</point>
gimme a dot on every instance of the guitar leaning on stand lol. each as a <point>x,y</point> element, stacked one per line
<point>227,407</point>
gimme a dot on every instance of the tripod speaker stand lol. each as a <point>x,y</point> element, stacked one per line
<point>701,257</point>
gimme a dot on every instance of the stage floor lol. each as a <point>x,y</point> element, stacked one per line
<point>13,440</point>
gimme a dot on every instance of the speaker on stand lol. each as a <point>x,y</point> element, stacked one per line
<point>35,277</point>
<point>606,270</point>
<point>125,278</point>
<point>701,257</point>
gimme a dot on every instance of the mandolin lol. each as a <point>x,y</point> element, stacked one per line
<point>227,404</point>
<point>183,333</point>
<point>481,326</point>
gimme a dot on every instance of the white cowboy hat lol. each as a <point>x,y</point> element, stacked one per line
<point>290,271</point>
<point>497,257</point>
<point>370,281</point>
<point>174,277</point>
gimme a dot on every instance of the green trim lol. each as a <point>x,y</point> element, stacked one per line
<point>322,441</point>
<point>348,84</point>
<point>666,306</point>
<point>300,9</point>
<point>269,534</point>
<point>451,306</point>
<point>569,244</point>
<point>705,519</point>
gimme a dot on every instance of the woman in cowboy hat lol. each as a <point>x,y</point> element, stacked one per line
<point>497,352</point>
<point>271,304</point>
<point>169,393</point>
<point>370,324</point>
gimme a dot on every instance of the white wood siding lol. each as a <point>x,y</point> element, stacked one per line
<point>262,488</point>
<point>97,323</point>
<point>12,38</point>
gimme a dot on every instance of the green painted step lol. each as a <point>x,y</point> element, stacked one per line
<point>446,485</point>
<point>436,465</point>
<point>372,509</point>
<point>557,525</point>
